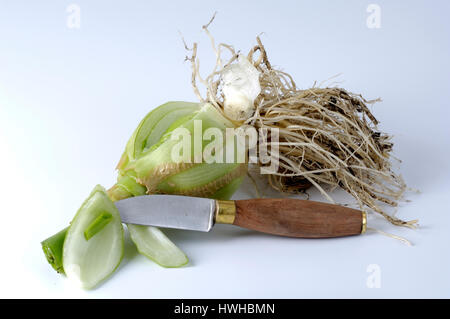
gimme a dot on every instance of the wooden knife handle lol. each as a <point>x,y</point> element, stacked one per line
<point>292,217</point>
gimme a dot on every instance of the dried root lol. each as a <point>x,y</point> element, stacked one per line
<point>328,137</point>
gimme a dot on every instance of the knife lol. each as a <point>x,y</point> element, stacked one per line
<point>284,217</point>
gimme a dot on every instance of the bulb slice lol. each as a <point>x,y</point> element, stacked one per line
<point>88,259</point>
<point>155,245</point>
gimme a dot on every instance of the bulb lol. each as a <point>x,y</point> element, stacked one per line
<point>240,89</point>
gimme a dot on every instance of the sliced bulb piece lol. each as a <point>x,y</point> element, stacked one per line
<point>94,243</point>
<point>152,243</point>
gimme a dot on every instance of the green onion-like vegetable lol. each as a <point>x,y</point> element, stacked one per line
<point>146,167</point>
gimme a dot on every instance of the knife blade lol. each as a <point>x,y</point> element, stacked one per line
<point>285,217</point>
<point>170,211</point>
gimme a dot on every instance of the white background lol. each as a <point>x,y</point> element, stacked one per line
<point>70,98</point>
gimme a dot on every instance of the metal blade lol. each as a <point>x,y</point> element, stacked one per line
<point>171,211</point>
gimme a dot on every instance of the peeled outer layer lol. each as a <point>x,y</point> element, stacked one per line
<point>227,191</point>
<point>153,126</point>
<point>148,166</point>
<point>88,262</point>
<point>159,172</point>
<point>152,243</point>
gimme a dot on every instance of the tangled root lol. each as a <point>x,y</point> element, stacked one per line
<point>328,137</point>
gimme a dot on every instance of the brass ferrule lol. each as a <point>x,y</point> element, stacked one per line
<point>225,211</point>
<point>364,222</point>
